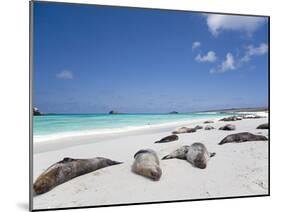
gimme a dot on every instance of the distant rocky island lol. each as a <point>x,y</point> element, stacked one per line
<point>114,112</point>
<point>174,112</point>
<point>36,112</point>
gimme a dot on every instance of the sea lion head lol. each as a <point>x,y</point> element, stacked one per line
<point>154,173</point>
<point>43,184</point>
<point>200,162</point>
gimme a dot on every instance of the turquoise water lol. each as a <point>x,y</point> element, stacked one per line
<point>71,124</point>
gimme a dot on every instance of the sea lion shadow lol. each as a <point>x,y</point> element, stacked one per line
<point>146,177</point>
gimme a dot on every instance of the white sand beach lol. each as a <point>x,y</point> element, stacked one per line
<point>238,169</point>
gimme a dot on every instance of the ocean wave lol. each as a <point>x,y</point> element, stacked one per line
<point>55,136</point>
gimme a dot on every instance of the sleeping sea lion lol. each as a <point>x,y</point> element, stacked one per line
<point>263,126</point>
<point>68,169</point>
<point>242,137</point>
<point>168,139</point>
<point>178,153</point>
<point>196,154</point>
<point>184,130</point>
<point>147,164</point>
<point>228,127</point>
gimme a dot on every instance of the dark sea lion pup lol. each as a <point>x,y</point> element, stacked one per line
<point>68,169</point>
<point>147,164</point>
<point>168,139</point>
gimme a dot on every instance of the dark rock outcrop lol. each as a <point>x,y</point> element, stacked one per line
<point>114,112</point>
<point>242,137</point>
<point>36,112</point>
<point>228,127</point>
<point>174,112</point>
<point>168,139</point>
<point>263,126</point>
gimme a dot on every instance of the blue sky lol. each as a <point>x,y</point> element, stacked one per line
<point>92,59</point>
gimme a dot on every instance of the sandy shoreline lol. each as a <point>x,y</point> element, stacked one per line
<point>236,170</point>
<point>64,142</point>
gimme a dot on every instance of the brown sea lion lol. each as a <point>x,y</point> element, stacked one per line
<point>209,127</point>
<point>147,164</point>
<point>184,130</point>
<point>263,126</point>
<point>168,139</point>
<point>208,122</point>
<point>198,127</point>
<point>178,153</point>
<point>242,137</point>
<point>196,154</point>
<point>228,127</point>
<point>68,169</point>
<point>231,118</point>
<point>252,116</point>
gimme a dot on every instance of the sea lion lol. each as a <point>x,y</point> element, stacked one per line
<point>263,126</point>
<point>252,116</point>
<point>208,122</point>
<point>184,130</point>
<point>198,127</point>
<point>147,164</point>
<point>209,127</point>
<point>67,169</point>
<point>242,137</point>
<point>228,127</point>
<point>168,139</point>
<point>178,153</point>
<point>196,154</point>
<point>231,118</point>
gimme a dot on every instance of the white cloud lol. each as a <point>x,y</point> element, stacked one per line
<point>65,75</point>
<point>255,51</point>
<point>209,57</point>
<point>230,63</point>
<point>248,24</point>
<point>226,65</point>
<point>196,45</point>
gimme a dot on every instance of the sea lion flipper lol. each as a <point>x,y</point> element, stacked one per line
<point>112,162</point>
<point>166,157</point>
<point>212,154</point>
